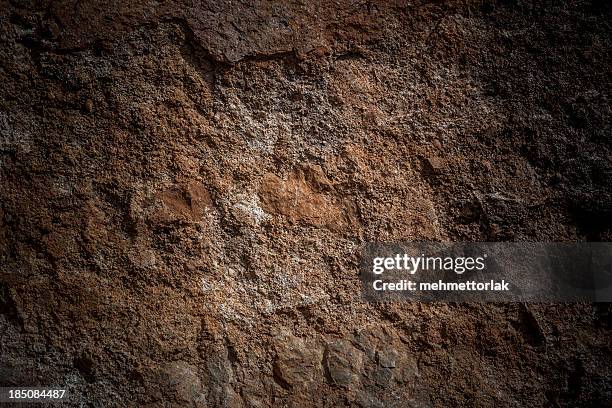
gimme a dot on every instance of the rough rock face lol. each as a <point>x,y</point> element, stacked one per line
<point>185,188</point>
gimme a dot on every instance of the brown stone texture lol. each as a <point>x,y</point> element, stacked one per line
<point>186,186</point>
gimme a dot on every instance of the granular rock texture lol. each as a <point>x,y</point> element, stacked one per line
<point>185,188</point>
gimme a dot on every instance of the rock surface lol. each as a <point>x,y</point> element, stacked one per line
<point>185,188</point>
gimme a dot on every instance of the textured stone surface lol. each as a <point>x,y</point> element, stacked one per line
<point>179,380</point>
<point>344,363</point>
<point>185,188</point>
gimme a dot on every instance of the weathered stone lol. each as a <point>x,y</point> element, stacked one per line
<point>344,363</point>
<point>366,400</point>
<point>166,164</point>
<point>382,376</point>
<point>180,381</point>
<point>300,201</point>
<point>298,362</point>
<point>184,202</point>
<point>220,380</point>
<point>436,163</point>
<point>387,358</point>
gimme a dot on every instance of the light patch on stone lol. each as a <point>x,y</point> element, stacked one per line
<point>11,139</point>
<point>247,209</point>
<point>206,285</point>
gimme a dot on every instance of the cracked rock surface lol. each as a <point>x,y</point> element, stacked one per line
<point>185,188</point>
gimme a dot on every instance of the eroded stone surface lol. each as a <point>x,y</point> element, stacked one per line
<point>344,363</point>
<point>298,362</point>
<point>179,180</point>
<point>180,380</point>
<point>300,200</point>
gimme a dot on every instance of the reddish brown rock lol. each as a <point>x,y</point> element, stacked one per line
<point>299,199</point>
<point>298,362</point>
<point>188,201</point>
